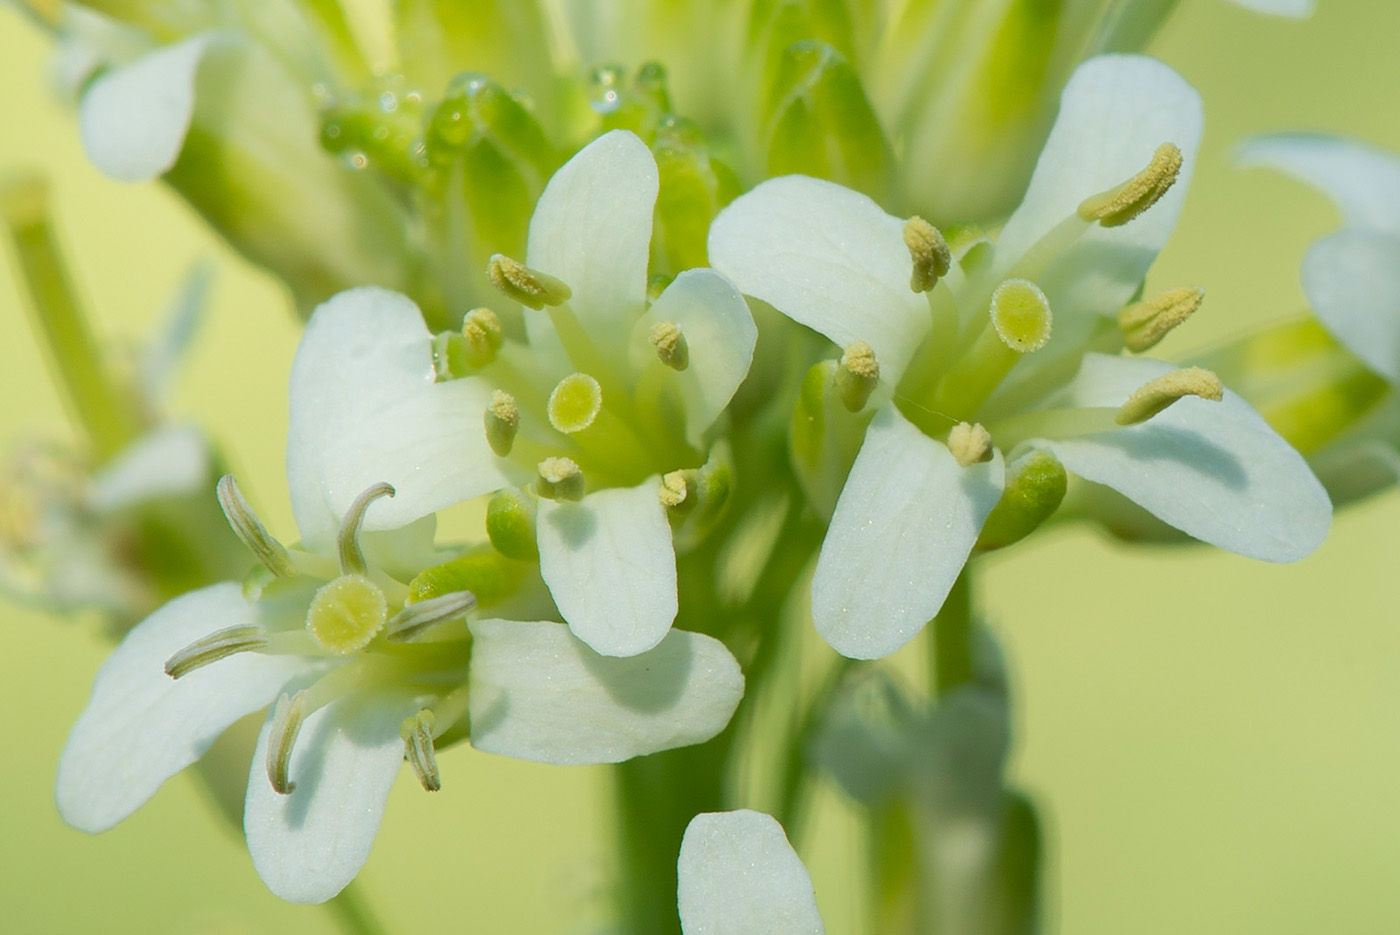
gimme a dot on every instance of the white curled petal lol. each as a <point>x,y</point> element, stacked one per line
<point>538,693</point>
<point>827,257</point>
<point>610,566</point>
<point>1293,9</point>
<point>720,334</point>
<point>134,118</point>
<point>738,875</point>
<point>366,408</point>
<point>904,525</point>
<point>592,229</point>
<point>166,462</point>
<point>141,726</point>
<point>1363,181</point>
<point>1352,279</point>
<point>1114,113</point>
<point>309,844</point>
<point>1214,470</point>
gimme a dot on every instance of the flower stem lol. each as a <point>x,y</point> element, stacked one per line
<point>950,664</point>
<point>353,913</point>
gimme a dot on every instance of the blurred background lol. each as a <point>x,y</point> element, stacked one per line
<point>1213,741</point>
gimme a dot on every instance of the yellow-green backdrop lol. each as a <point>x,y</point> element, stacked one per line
<point>1214,742</point>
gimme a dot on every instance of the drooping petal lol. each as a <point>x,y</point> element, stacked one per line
<point>538,693</point>
<point>592,229</point>
<point>309,844</point>
<point>1114,113</point>
<point>904,525</point>
<point>166,462</point>
<point>827,257</point>
<point>1362,180</point>
<point>134,118</point>
<point>738,875</point>
<point>365,408</point>
<point>719,333</point>
<point>1294,9</point>
<point>1214,470</point>
<point>141,726</point>
<point>1352,279</point>
<point>610,566</point>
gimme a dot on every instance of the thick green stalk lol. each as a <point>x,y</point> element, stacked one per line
<point>353,913</point>
<point>951,662</point>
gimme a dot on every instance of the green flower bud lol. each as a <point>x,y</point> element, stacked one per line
<point>510,524</point>
<point>1035,486</point>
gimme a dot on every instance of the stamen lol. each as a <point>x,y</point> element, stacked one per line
<point>217,645</point>
<point>346,614</point>
<point>970,443</point>
<point>484,336</point>
<point>1021,315</point>
<point>502,422</point>
<point>559,479</point>
<point>1119,205</point>
<point>249,528</point>
<point>857,376</point>
<point>929,251</point>
<point>1147,322</point>
<point>670,344</point>
<point>1154,396</point>
<point>673,489</point>
<point>286,724</point>
<point>417,734</point>
<point>411,622</point>
<point>575,403</point>
<point>527,286</point>
<point>352,560</point>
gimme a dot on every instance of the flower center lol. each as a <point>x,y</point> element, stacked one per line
<point>347,613</point>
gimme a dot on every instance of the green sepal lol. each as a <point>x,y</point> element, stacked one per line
<point>825,437</point>
<point>486,573</point>
<point>693,187</point>
<point>510,524</point>
<point>1035,486</point>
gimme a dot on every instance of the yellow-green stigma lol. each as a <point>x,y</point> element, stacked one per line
<point>1121,204</point>
<point>529,287</point>
<point>1021,315</point>
<point>1155,395</point>
<point>575,403</point>
<point>347,613</point>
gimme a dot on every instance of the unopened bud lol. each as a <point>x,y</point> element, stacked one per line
<point>1121,204</point>
<point>510,524</point>
<point>527,286</point>
<point>1156,395</point>
<point>1035,485</point>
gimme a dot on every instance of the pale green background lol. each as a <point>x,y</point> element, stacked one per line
<point>1214,741</point>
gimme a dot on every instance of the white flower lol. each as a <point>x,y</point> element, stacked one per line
<point>738,875</point>
<point>366,667</point>
<point>605,396</point>
<point>976,350</point>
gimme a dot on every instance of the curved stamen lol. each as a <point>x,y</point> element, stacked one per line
<point>281,737</point>
<point>217,645</point>
<point>414,619</point>
<point>246,525</point>
<point>352,560</point>
<point>418,750</point>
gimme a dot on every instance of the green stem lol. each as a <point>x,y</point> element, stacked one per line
<point>353,913</point>
<point>951,662</point>
<point>99,403</point>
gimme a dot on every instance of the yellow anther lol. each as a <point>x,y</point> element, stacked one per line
<point>559,479</point>
<point>1154,396</point>
<point>418,750</point>
<point>857,376</point>
<point>1021,315</point>
<point>281,737</point>
<point>970,443</point>
<point>249,528</point>
<point>502,420</point>
<point>670,344</point>
<point>1145,323</point>
<point>347,613</point>
<point>1121,204</point>
<point>929,251</point>
<point>352,560</point>
<point>575,403</point>
<point>673,489</point>
<point>527,286</point>
<point>217,645</point>
<point>481,329</point>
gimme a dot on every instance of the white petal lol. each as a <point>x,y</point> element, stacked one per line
<point>1114,113</point>
<point>827,257</point>
<point>1294,9</point>
<point>309,844</point>
<point>610,566</point>
<point>592,229</point>
<point>538,693</point>
<point>720,334</point>
<point>1362,180</point>
<point>903,528</point>
<point>1352,279</point>
<point>134,118</point>
<point>365,408</point>
<point>165,462</point>
<point>1214,470</point>
<point>739,875</point>
<point>141,726</point>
